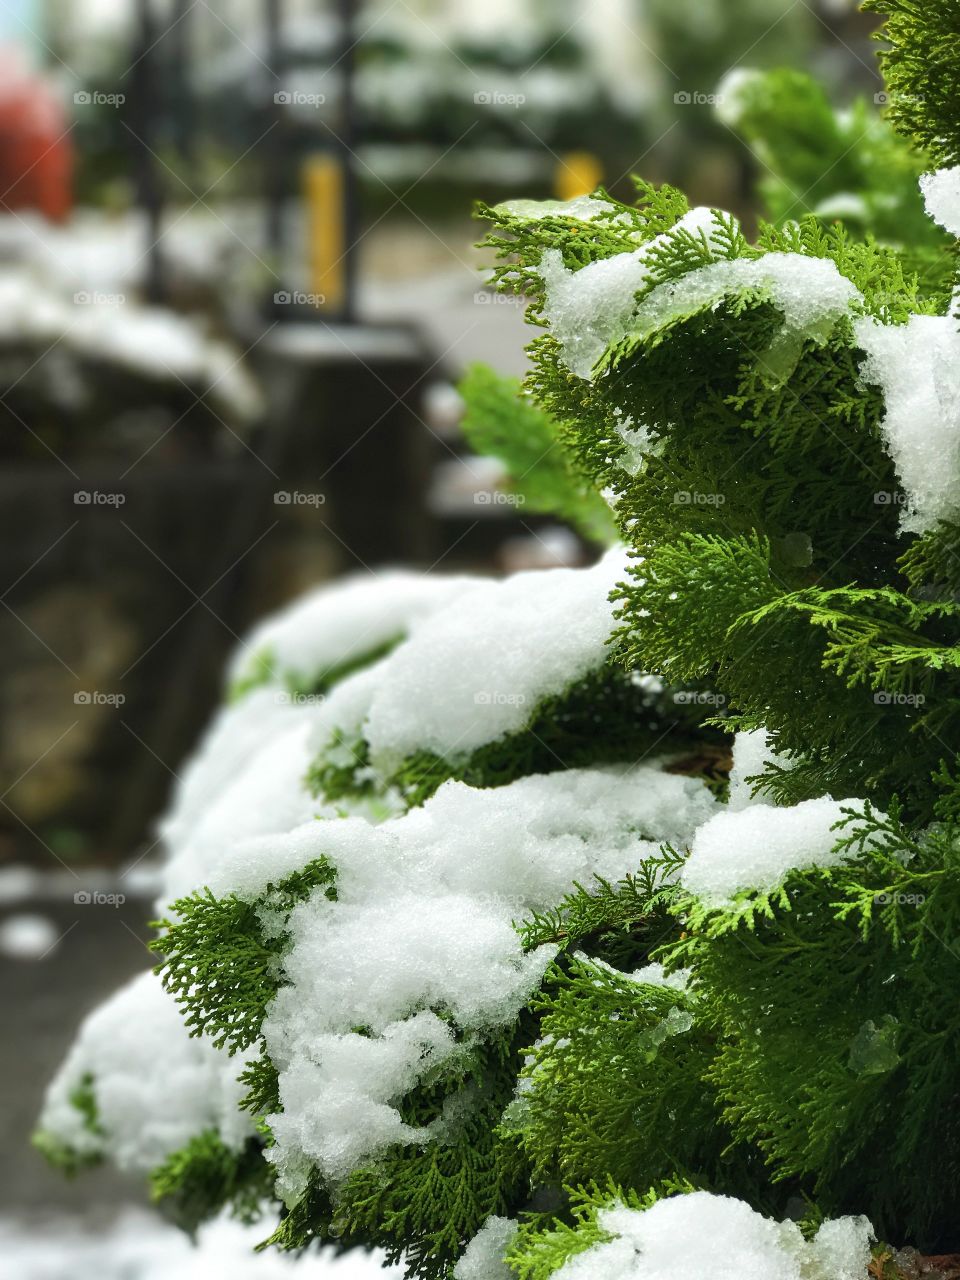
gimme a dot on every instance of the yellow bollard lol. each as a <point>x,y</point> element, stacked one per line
<point>326,230</point>
<point>578,174</point>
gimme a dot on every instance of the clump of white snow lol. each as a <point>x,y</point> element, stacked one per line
<point>941,195</point>
<point>422,926</point>
<point>155,1087</point>
<point>475,671</point>
<point>483,1258</point>
<point>247,781</point>
<point>733,93</point>
<point>590,309</point>
<point>751,755</point>
<point>757,847</point>
<point>341,622</point>
<point>690,1237</point>
<point>653,975</point>
<point>584,208</point>
<point>917,366</point>
<point>810,292</point>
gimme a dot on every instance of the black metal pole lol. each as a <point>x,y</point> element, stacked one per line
<point>274,141</point>
<point>179,79</point>
<point>145,110</point>
<point>347,146</point>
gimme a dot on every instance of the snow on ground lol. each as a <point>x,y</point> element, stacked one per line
<point>140,1246</point>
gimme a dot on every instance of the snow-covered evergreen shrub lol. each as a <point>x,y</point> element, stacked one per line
<point>521,973</point>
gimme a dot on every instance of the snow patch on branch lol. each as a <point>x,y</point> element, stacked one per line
<point>419,948</point>
<point>152,1085</point>
<point>917,366</point>
<point>757,847</point>
<point>689,1237</point>
<point>941,195</point>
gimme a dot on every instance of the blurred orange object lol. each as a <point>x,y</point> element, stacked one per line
<point>36,154</point>
<point>579,173</point>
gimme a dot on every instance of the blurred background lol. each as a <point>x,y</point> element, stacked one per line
<point>238,284</point>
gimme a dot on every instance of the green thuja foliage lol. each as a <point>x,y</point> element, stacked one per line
<point>845,164</point>
<point>749,469</point>
<point>221,955</point>
<point>643,1076</point>
<point>921,40</point>
<point>610,715</point>
<point>206,1176</point>
<point>765,509</point>
<point>423,1205</point>
<point>851,1086</point>
<point>503,423</point>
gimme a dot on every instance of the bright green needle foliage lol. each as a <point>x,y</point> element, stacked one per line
<point>221,955</point>
<point>501,422</point>
<point>765,508</point>
<point>423,1204</point>
<point>837,1046</point>
<point>921,51</point>
<point>849,165</point>
<point>206,1176</point>
<point>636,1107</point>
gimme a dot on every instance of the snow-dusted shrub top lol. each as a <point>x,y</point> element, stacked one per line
<point>477,670</point>
<point>155,1087</point>
<point>591,309</point>
<point>417,960</point>
<point>422,922</point>
<point>332,626</point>
<point>246,782</point>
